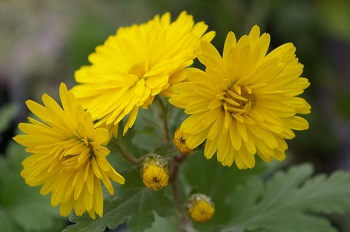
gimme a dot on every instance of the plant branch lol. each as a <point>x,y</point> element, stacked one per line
<point>128,156</point>
<point>165,118</point>
<point>173,180</point>
<point>176,162</point>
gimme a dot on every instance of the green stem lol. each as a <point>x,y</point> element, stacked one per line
<point>165,119</point>
<point>128,156</point>
<point>177,160</point>
<point>175,164</point>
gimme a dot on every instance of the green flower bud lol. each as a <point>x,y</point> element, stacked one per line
<point>200,208</point>
<point>155,172</point>
<point>180,142</point>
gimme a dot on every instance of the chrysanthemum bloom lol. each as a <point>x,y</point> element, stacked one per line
<point>136,64</point>
<point>155,172</point>
<point>68,158</point>
<point>200,208</point>
<point>246,101</point>
<point>180,142</point>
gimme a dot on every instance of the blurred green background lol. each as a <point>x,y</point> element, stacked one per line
<point>43,42</point>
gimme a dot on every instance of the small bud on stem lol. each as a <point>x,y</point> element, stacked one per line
<point>180,142</point>
<point>155,172</point>
<point>200,208</point>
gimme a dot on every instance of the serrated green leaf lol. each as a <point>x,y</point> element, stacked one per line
<point>290,202</point>
<point>218,182</point>
<point>132,203</point>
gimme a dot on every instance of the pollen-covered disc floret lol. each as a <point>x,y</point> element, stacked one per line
<point>245,102</point>
<point>136,64</point>
<point>68,156</point>
<point>180,142</point>
<point>155,172</point>
<point>200,208</point>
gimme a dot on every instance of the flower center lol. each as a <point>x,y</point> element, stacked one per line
<point>138,70</point>
<point>238,99</point>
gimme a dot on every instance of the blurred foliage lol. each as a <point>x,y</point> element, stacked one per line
<point>7,113</point>
<point>22,208</point>
<point>336,16</point>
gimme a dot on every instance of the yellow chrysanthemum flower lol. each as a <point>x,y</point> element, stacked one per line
<point>68,158</point>
<point>245,102</point>
<point>136,64</point>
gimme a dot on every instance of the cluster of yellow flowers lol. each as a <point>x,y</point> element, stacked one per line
<point>244,103</point>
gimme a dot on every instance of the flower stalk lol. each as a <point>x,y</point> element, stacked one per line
<point>128,156</point>
<point>165,118</point>
<point>176,193</point>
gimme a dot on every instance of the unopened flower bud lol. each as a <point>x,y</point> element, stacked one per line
<point>200,208</point>
<point>155,172</point>
<point>179,140</point>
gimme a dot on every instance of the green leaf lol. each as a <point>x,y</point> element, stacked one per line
<point>22,207</point>
<point>7,113</point>
<point>216,181</point>
<point>132,203</point>
<point>290,201</point>
<point>127,138</point>
<point>168,224</point>
<point>167,150</point>
<point>15,154</point>
<point>6,222</point>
